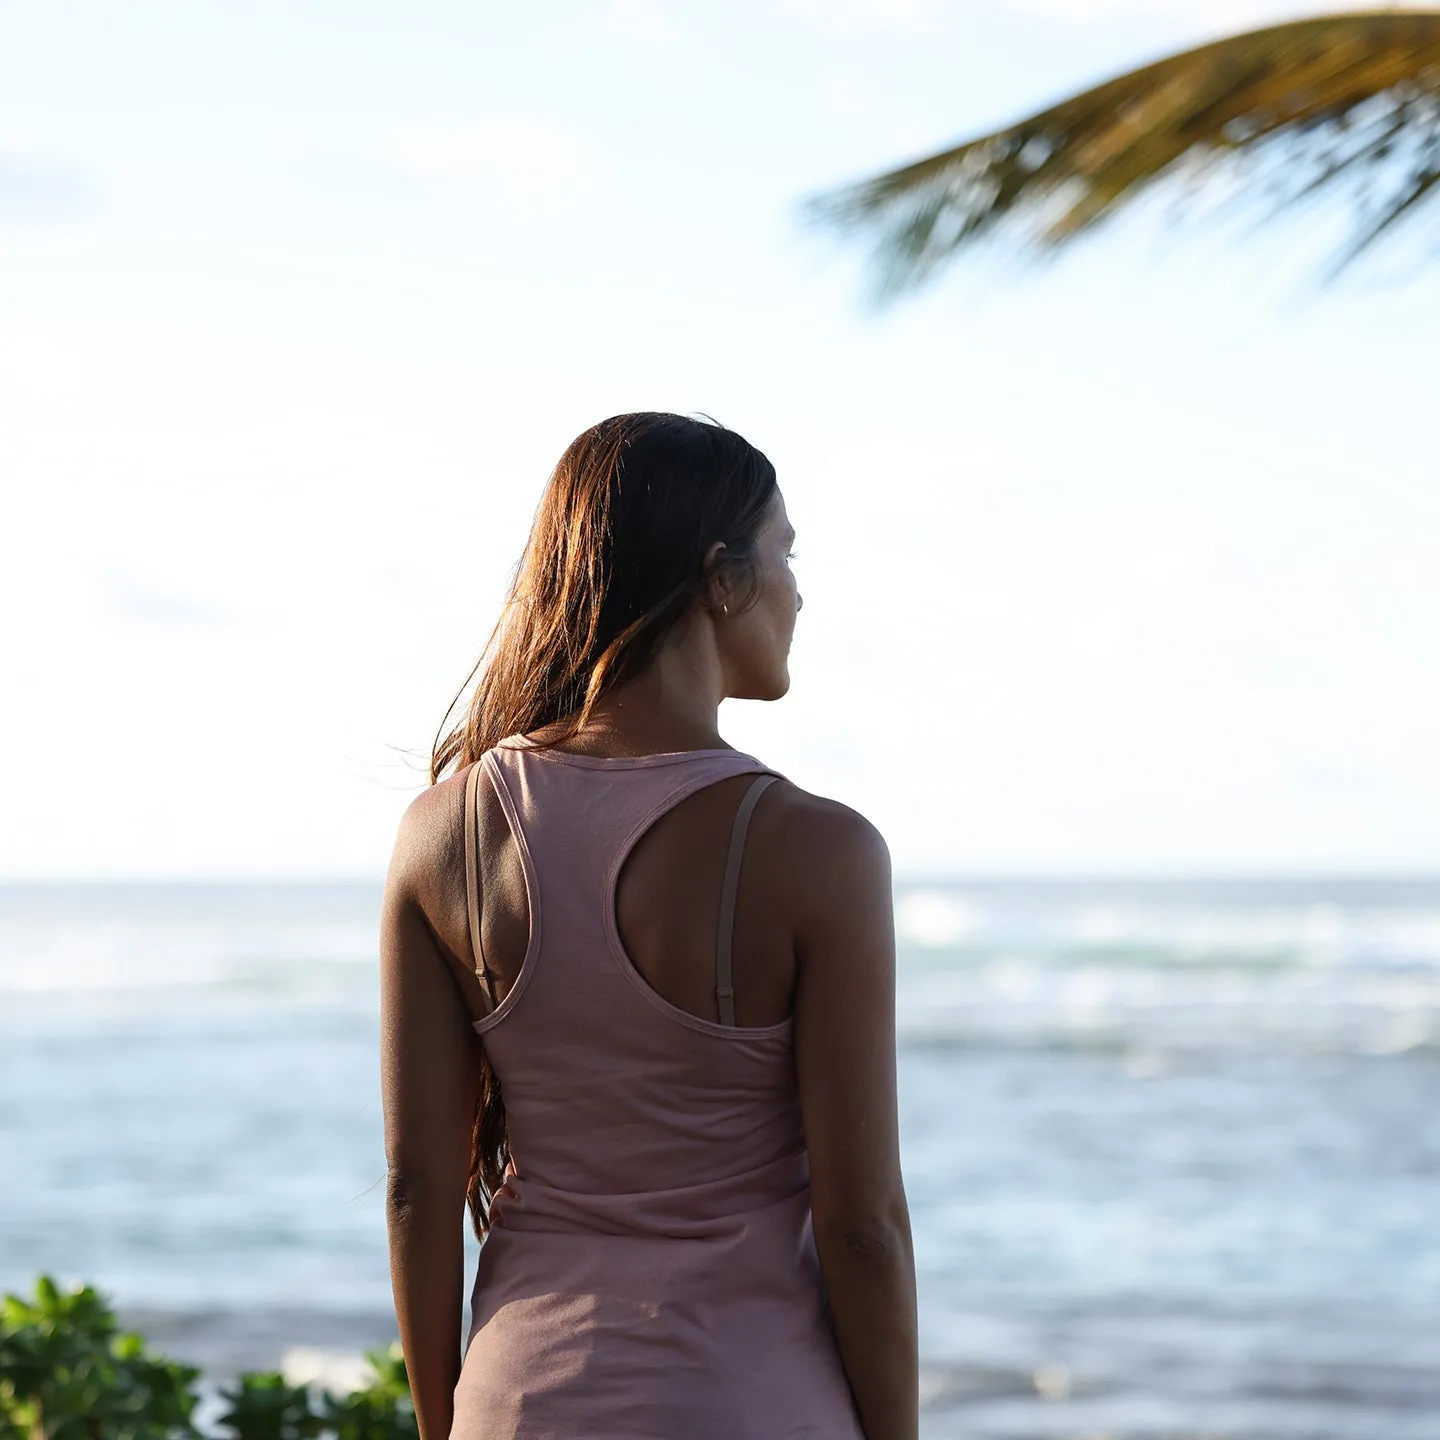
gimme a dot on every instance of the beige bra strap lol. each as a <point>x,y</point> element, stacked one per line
<point>472,873</point>
<point>724,991</point>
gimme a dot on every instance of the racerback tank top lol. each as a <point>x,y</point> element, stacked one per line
<point>650,1270</point>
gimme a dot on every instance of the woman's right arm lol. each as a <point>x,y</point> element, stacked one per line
<point>430,1080</point>
<point>845,1057</point>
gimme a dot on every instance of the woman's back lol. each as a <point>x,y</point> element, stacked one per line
<point>650,1268</point>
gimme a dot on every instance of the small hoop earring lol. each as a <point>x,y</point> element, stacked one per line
<point>725,610</point>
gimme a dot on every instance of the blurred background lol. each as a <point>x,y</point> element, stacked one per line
<point>1132,552</point>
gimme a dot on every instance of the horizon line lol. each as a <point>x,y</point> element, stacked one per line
<point>1011,875</point>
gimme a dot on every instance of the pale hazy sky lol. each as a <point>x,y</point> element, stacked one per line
<point>1126,563</point>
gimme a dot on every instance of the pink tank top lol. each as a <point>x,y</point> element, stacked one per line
<point>650,1270</point>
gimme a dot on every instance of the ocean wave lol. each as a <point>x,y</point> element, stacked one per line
<point>1197,925</point>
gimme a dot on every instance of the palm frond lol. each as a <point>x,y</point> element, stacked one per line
<point>1341,99</point>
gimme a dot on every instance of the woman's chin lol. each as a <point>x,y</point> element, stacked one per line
<point>778,687</point>
<point>771,689</point>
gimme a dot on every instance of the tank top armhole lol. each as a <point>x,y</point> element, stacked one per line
<point>472,881</point>
<point>620,958</point>
<point>496,772</point>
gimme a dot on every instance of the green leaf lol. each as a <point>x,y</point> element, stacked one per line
<point>1308,106</point>
<point>263,1407</point>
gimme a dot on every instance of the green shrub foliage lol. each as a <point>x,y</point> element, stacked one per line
<point>67,1372</point>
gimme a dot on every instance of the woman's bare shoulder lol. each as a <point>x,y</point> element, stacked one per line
<point>429,844</point>
<point>819,819</point>
<point>829,848</point>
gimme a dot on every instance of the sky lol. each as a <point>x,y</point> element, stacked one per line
<point>1120,564</point>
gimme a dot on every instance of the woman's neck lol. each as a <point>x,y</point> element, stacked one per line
<point>667,707</point>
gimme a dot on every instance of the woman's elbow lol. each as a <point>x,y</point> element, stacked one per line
<point>872,1235</point>
<point>416,1191</point>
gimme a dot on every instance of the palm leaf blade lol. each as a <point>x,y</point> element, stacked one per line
<point>1336,95</point>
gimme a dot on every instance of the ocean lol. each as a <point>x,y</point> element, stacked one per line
<point>1172,1147</point>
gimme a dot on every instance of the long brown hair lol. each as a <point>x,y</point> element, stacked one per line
<point>616,555</point>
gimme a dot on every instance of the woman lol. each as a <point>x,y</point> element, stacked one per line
<point>664,1081</point>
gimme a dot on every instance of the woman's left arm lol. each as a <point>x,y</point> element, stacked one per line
<point>430,1078</point>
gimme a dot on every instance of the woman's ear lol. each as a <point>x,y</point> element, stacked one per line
<point>717,586</point>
